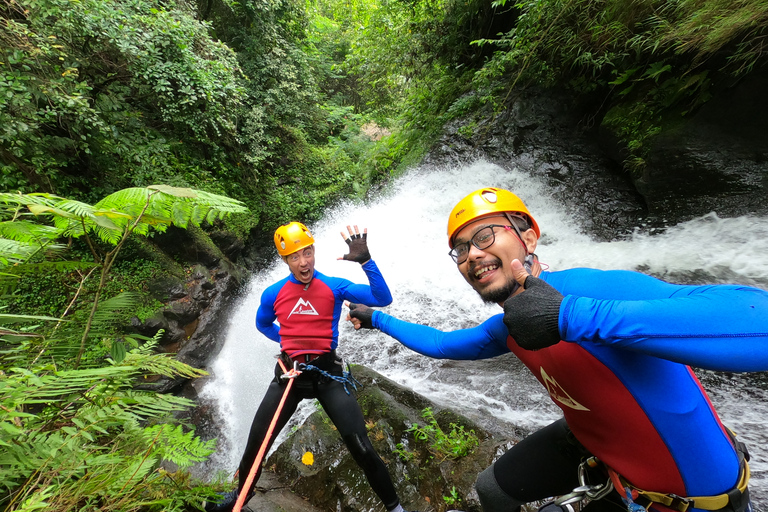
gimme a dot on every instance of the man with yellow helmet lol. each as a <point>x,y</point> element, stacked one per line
<point>301,313</point>
<point>611,347</point>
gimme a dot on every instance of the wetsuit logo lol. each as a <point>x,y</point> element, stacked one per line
<point>303,307</point>
<point>558,394</point>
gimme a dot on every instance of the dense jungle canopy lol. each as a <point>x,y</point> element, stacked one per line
<point>121,119</point>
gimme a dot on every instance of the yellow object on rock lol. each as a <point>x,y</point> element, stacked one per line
<point>308,459</point>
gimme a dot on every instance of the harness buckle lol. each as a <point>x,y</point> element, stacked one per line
<point>293,372</point>
<point>679,503</point>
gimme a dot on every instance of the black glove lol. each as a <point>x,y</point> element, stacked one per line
<point>358,248</point>
<point>362,313</point>
<point>532,316</point>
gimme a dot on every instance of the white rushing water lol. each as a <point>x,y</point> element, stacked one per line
<point>407,238</point>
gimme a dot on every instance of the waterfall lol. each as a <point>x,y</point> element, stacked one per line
<point>407,239</point>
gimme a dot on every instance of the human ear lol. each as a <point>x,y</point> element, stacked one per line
<point>530,240</point>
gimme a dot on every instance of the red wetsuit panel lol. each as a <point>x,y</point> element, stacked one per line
<point>305,317</point>
<point>609,422</point>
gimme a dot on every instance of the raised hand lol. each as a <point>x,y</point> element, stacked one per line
<point>358,245</point>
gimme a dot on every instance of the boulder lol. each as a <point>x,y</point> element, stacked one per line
<point>427,473</point>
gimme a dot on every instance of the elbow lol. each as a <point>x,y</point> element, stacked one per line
<point>381,300</point>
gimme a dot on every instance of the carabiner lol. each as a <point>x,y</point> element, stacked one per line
<point>293,372</point>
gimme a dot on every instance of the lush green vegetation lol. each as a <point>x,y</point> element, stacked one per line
<point>75,433</point>
<point>645,63</point>
<point>280,105</point>
<point>444,445</point>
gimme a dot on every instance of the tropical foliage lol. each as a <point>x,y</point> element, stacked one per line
<point>648,62</point>
<point>74,430</point>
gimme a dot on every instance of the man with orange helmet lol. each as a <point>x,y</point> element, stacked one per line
<point>612,348</point>
<point>301,313</point>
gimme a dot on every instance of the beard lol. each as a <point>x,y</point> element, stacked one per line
<point>501,294</point>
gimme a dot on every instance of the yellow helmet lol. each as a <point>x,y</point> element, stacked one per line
<point>292,237</point>
<point>483,202</point>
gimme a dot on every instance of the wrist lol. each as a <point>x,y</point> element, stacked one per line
<point>374,319</point>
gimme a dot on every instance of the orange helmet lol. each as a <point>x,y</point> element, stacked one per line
<point>292,237</point>
<point>483,202</point>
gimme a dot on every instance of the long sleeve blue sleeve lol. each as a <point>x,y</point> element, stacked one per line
<point>718,327</point>
<point>265,315</point>
<point>480,342</point>
<point>376,293</point>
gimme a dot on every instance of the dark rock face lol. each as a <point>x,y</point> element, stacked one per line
<point>543,133</point>
<point>425,478</point>
<point>194,319</point>
<point>713,160</point>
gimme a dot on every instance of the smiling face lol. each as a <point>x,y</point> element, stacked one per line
<point>302,264</point>
<point>489,270</point>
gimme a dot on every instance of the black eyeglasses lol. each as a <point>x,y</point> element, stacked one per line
<point>483,239</point>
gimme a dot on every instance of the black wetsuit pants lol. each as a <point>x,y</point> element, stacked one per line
<point>341,408</point>
<point>542,465</point>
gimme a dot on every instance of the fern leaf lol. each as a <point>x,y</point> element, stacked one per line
<point>175,191</point>
<point>28,231</point>
<point>161,364</point>
<point>13,252</point>
<point>173,444</point>
<point>119,306</point>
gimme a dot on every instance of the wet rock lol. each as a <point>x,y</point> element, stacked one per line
<point>426,478</point>
<point>194,319</point>
<point>543,133</point>
<point>713,160</point>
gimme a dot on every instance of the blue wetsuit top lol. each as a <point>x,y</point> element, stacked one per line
<point>308,315</point>
<point>621,378</point>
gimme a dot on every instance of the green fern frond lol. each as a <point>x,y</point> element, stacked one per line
<point>116,308</point>
<point>76,208</point>
<point>27,269</point>
<point>12,319</point>
<point>173,444</point>
<point>28,232</point>
<point>160,206</point>
<point>20,200</point>
<point>13,252</point>
<point>161,364</point>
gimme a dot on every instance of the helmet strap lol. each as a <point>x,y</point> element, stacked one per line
<point>511,220</point>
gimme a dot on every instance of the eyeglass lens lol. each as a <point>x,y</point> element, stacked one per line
<point>483,239</point>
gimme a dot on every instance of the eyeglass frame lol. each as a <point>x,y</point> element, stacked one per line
<point>455,257</point>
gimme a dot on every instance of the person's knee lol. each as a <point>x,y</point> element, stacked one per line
<point>362,451</point>
<point>492,496</point>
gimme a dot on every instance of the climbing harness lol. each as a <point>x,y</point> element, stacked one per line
<point>735,500</point>
<point>345,378</point>
<point>585,490</point>
<point>638,500</point>
<point>292,374</point>
<point>635,497</point>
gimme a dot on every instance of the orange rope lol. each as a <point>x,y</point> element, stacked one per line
<point>257,463</point>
